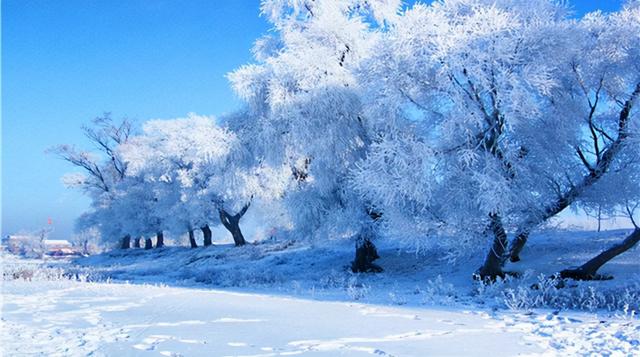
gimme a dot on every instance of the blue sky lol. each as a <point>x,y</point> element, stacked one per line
<point>65,62</point>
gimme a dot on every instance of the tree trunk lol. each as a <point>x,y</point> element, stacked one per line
<point>148,243</point>
<point>159,239</point>
<point>126,242</point>
<point>206,232</point>
<point>589,270</point>
<point>492,266</point>
<point>192,239</point>
<point>238,238</point>
<point>136,242</point>
<point>232,224</point>
<point>366,253</point>
<point>516,246</point>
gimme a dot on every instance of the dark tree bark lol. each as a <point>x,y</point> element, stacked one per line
<point>126,242</point>
<point>366,253</point>
<point>206,232</point>
<point>148,243</point>
<point>589,270</point>
<point>522,235</point>
<point>491,269</point>
<point>517,244</point>
<point>192,239</point>
<point>232,224</point>
<point>159,239</point>
<point>604,160</point>
<point>136,242</point>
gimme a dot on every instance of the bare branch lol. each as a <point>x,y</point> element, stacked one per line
<point>584,160</point>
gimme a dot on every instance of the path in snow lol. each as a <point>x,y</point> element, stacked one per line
<point>74,318</point>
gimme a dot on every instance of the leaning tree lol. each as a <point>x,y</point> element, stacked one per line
<point>618,194</point>
<point>596,101</point>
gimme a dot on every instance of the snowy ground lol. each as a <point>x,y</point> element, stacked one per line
<point>270,300</point>
<point>74,318</point>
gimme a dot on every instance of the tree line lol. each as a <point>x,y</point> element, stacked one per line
<point>435,124</point>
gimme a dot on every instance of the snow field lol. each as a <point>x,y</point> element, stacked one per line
<point>65,318</point>
<point>276,302</point>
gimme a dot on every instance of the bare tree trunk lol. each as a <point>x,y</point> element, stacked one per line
<point>148,243</point>
<point>492,266</point>
<point>366,253</point>
<point>126,242</point>
<point>589,270</point>
<point>516,246</point>
<point>206,232</point>
<point>232,224</point>
<point>192,239</point>
<point>136,242</point>
<point>159,239</point>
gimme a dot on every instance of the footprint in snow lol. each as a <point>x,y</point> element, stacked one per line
<point>151,343</point>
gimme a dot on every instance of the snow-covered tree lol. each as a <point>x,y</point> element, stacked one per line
<point>190,172</point>
<point>170,164</point>
<point>304,99</point>
<point>102,170</point>
<point>596,100</point>
<point>437,125</point>
<point>458,84</point>
<point>618,194</point>
<point>88,241</point>
<point>490,107</point>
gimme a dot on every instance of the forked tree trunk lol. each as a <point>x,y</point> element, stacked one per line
<point>206,232</point>
<point>366,253</point>
<point>589,270</point>
<point>192,239</point>
<point>148,243</point>
<point>232,224</point>
<point>136,242</point>
<point>159,239</point>
<point>492,266</point>
<point>126,242</point>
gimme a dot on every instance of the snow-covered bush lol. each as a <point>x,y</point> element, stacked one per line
<point>438,292</point>
<point>357,290</point>
<point>334,279</point>
<point>529,292</point>
<point>397,299</point>
<point>14,268</point>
